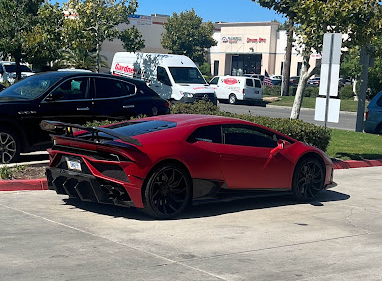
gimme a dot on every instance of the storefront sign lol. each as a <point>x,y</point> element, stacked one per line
<point>140,20</point>
<point>256,40</point>
<point>232,40</point>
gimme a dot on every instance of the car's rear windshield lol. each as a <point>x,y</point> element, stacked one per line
<point>136,128</point>
<point>12,68</point>
<point>30,88</point>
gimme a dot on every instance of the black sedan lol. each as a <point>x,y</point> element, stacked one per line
<point>75,97</point>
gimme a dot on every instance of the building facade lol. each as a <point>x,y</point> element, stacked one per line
<point>242,48</point>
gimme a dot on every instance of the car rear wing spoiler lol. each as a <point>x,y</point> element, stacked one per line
<point>51,126</point>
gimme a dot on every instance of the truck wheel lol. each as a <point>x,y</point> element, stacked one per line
<point>232,99</point>
<point>9,146</point>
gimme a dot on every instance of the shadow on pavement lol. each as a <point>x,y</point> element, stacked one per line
<point>210,209</point>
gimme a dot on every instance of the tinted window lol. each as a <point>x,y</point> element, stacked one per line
<point>257,83</point>
<point>130,88</point>
<point>249,82</point>
<point>109,88</point>
<point>214,81</point>
<point>12,68</point>
<point>73,89</point>
<point>207,133</point>
<point>162,76</point>
<point>248,136</point>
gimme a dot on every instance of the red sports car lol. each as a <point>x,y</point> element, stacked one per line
<point>162,164</point>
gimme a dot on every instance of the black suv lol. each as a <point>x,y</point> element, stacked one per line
<point>73,97</point>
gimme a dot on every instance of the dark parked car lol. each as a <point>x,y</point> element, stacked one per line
<point>164,163</point>
<point>314,82</point>
<point>75,97</point>
<point>293,81</point>
<point>373,122</point>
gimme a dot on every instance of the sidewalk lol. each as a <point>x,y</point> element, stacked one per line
<point>41,184</point>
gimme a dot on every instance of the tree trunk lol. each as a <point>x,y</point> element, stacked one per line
<point>98,56</point>
<point>305,75</point>
<point>288,57</point>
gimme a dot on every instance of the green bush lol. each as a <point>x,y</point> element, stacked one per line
<point>272,91</point>
<point>311,92</point>
<point>346,92</point>
<point>315,135</point>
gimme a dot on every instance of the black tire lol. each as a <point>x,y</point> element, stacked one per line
<point>308,179</point>
<point>168,192</point>
<point>378,130</point>
<point>10,146</point>
<point>232,99</point>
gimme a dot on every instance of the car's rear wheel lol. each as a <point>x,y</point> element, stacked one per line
<point>9,146</point>
<point>168,191</point>
<point>232,99</point>
<point>308,179</point>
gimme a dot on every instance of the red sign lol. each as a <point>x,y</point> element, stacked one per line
<point>126,69</point>
<point>255,40</point>
<point>230,81</point>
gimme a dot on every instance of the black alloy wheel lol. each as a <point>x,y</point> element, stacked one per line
<point>168,192</point>
<point>9,147</point>
<point>308,179</point>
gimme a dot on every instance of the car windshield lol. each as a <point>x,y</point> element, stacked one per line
<point>29,88</point>
<point>188,75</point>
<point>12,68</point>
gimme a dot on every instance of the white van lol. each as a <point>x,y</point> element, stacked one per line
<point>234,88</point>
<point>8,71</point>
<point>173,77</point>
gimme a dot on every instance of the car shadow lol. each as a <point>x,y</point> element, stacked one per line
<point>209,209</point>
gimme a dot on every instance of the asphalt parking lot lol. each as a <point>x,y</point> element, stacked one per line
<point>44,236</point>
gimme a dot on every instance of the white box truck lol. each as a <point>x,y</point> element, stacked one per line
<point>173,77</point>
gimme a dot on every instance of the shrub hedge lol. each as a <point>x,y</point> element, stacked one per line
<point>346,92</point>
<point>315,135</point>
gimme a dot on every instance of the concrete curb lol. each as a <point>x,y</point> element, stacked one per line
<point>42,184</point>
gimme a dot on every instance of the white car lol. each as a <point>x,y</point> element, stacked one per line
<point>8,71</point>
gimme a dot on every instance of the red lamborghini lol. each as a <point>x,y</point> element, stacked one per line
<point>162,164</point>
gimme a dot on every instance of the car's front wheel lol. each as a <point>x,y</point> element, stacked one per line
<point>308,179</point>
<point>167,192</point>
<point>9,146</point>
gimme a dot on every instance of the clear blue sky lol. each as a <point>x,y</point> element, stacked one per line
<point>209,10</point>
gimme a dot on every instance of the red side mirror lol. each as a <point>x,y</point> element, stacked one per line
<point>281,145</point>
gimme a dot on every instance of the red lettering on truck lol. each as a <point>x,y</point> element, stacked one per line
<point>125,69</point>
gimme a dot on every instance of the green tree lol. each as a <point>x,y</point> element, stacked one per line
<point>186,34</point>
<point>30,31</point>
<point>80,58</point>
<point>132,39</point>
<point>359,19</point>
<point>97,21</point>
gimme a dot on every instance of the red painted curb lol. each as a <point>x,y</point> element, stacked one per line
<point>357,164</point>
<point>33,184</point>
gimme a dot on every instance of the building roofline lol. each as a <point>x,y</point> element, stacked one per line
<point>226,24</point>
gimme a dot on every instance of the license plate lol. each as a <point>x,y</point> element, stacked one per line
<point>73,165</point>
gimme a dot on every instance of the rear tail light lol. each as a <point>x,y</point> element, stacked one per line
<point>166,104</point>
<point>243,91</point>
<point>366,114</point>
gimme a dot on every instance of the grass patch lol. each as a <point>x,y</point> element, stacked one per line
<point>348,145</point>
<point>308,102</point>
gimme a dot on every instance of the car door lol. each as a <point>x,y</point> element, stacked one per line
<point>69,102</point>
<point>113,98</point>
<point>249,89</point>
<point>246,160</point>
<point>162,84</point>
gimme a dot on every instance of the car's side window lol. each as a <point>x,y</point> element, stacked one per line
<point>207,134</point>
<point>162,76</point>
<point>109,88</point>
<point>130,88</point>
<point>73,89</point>
<point>248,136</point>
<point>214,81</point>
